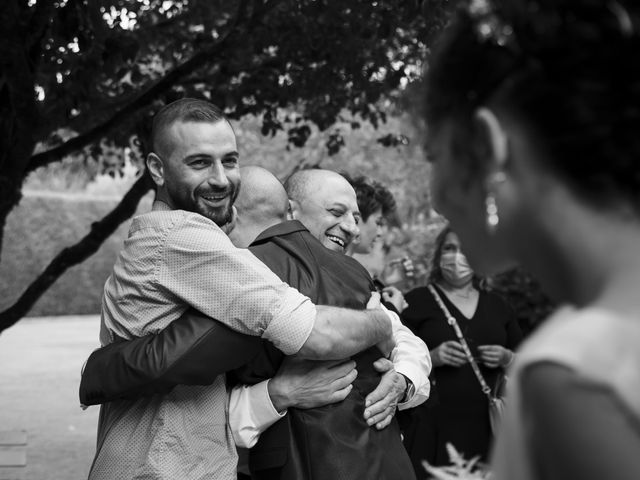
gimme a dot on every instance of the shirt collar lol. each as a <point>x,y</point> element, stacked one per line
<point>284,228</point>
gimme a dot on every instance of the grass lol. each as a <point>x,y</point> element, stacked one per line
<point>41,361</point>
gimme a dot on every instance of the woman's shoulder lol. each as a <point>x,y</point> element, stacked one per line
<point>496,304</point>
<point>421,304</point>
<point>593,342</point>
<point>494,298</point>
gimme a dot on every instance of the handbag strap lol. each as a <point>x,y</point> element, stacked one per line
<point>456,328</point>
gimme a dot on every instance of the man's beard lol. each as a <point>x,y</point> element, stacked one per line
<point>220,215</point>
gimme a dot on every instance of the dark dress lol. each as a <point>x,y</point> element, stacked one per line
<point>457,410</point>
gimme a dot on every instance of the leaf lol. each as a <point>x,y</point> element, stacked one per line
<point>334,143</point>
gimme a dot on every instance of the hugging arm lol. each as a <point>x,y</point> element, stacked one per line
<point>192,350</point>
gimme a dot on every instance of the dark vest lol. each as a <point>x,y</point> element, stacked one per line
<point>332,442</point>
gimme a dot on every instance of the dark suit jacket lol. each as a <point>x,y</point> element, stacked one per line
<point>332,442</point>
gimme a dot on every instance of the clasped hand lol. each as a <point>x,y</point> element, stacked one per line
<point>451,353</point>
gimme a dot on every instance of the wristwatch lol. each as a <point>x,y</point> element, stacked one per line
<point>409,391</point>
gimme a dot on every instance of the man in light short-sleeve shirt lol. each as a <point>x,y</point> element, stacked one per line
<point>177,257</point>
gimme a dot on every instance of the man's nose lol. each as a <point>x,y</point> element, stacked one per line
<point>350,226</point>
<point>218,176</point>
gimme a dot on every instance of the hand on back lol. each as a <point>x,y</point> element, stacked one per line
<point>309,384</point>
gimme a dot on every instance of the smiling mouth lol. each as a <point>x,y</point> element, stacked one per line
<point>337,240</point>
<point>215,199</point>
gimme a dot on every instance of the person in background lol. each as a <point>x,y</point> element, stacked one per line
<point>377,207</point>
<point>533,114</point>
<point>457,411</point>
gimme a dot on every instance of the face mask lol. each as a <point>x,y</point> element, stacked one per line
<point>455,269</point>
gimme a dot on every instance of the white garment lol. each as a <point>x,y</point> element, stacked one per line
<point>251,411</point>
<point>598,345</point>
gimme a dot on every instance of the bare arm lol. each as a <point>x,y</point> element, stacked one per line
<point>577,428</point>
<point>339,333</point>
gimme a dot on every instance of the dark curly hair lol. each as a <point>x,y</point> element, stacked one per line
<point>567,69</point>
<point>372,196</point>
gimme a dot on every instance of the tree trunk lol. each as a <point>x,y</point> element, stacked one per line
<point>18,113</point>
<point>77,253</point>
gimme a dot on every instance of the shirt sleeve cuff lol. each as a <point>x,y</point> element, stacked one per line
<point>291,326</point>
<point>251,412</point>
<point>413,373</point>
<point>264,413</point>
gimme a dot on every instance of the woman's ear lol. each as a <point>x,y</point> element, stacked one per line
<point>496,139</point>
<point>156,168</point>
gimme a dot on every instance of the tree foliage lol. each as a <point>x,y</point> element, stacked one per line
<point>84,76</point>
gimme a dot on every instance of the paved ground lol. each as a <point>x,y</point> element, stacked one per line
<point>40,363</point>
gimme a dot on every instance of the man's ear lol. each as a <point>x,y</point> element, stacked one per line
<point>156,168</point>
<point>496,139</point>
<point>294,209</point>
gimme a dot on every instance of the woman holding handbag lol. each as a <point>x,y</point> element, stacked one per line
<point>457,411</point>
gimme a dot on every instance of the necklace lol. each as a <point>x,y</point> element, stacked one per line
<point>466,294</point>
<point>461,293</point>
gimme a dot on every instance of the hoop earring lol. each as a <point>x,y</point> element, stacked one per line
<point>493,219</point>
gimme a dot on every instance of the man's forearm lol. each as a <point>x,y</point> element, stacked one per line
<point>192,350</point>
<point>339,333</point>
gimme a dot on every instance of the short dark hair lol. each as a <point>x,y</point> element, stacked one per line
<point>566,69</point>
<point>371,196</point>
<point>183,110</point>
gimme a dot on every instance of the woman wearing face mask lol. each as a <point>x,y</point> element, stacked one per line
<point>457,411</point>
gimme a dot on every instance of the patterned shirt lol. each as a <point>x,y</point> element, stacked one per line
<point>173,260</point>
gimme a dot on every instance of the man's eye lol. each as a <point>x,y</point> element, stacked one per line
<point>198,163</point>
<point>336,213</point>
<point>230,161</point>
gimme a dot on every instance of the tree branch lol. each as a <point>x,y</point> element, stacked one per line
<point>38,26</point>
<point>77,253</point>
<point>140,101</point>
